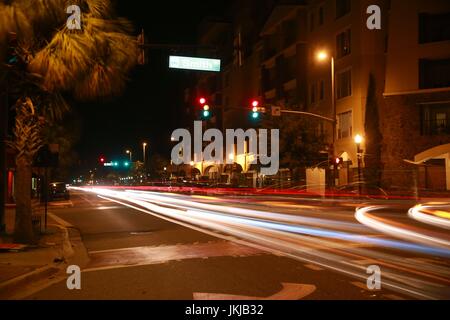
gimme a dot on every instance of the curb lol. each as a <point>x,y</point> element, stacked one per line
<point>8,288</point>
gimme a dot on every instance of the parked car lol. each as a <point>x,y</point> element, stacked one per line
<point>58,190</point>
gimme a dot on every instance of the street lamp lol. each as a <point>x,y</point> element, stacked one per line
<point>144,146</point>
<point>131,154</point>
<point>322,56</point>
<point>358,140</point>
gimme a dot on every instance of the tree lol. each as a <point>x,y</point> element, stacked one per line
<point>300,143</point>
<point>374,137</point>
<point>52,63</point>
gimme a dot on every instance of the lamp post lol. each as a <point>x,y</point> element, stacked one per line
<point>144,146</point>
<point>131,155</point>
<point>358,140</point>
<point>323,56</point>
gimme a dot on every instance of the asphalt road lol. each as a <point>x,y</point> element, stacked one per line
<point>146,245</point>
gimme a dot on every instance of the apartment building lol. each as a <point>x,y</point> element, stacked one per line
<point>391,86</point>
<point>416,113</point>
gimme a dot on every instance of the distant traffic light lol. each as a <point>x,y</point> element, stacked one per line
<point>126,164</point>
<point>102,160</point>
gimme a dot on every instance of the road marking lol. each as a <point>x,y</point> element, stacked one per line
<point>128,257</point>
<point>60,221</point>
<point>314,267</point>
<point>290,291</point>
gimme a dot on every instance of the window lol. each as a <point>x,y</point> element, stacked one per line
<point>434,27</point>
<point>313,94</point>
<point>343,43</point>
<point>435,119</point>
<point>321,16</point>
<point>321,90</point>
<point>434,73</point>
<point>344,84</point>
<point>343,7</point>
<point>345,128</point>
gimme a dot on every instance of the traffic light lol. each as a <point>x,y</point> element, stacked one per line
<point>256,109</point>
<point>205,112</point>
<point>12,57</point>
<point>336,161</point>
<point>126,164</point>
<point>102,160</point>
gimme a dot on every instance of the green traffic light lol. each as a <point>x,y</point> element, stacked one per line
<point>126,164</point>
<point>255,115</point>
<point>206,114</point>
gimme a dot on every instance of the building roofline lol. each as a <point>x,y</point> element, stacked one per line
<point>419,91</point>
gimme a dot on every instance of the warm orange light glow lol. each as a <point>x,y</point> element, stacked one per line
<point>358,139</point>
<point>322,55</point>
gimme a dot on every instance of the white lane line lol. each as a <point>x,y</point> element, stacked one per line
<point>60,221</point>
<point>290,291</point>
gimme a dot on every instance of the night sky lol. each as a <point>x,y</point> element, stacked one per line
<point>149,109</point>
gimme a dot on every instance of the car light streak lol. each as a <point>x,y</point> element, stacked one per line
<point>332,244</point>
<point>363,217</point>
<point>428,214</point>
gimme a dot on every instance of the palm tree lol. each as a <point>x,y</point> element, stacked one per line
<point>55,62</point>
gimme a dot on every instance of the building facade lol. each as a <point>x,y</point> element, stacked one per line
<point>390,85</point>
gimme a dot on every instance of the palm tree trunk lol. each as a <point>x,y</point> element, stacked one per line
<point>23,231</point>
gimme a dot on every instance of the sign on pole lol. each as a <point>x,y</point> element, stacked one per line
<point>276,111</point>
<point>191,63</point>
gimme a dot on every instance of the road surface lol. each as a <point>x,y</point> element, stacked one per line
<point>153,245</point>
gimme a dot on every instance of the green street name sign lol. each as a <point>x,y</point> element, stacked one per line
<point>190,63</point>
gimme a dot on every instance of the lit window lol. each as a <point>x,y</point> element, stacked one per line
<point>345,127</point>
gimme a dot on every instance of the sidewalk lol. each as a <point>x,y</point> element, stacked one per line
<point>27,266</point>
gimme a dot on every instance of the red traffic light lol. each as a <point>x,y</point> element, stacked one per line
<point>202,101</point>
<point>102,160</point>
<point>255,103</point>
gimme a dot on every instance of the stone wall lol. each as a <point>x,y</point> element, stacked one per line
<point>401,129</point>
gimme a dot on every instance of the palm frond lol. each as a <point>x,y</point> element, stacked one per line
<point>14,19</point>
<point>102,81</point>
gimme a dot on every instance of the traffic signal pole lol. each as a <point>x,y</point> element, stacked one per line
<point>3,167</point>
